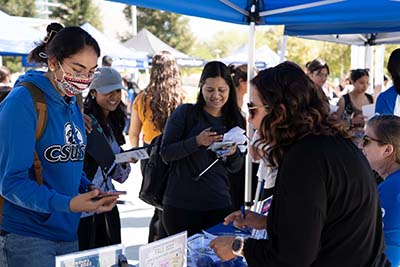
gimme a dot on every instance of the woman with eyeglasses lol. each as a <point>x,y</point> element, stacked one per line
<point>40,221</point>
<point>318,71</point>
<point>196,197</point>
<point>324,213</point>
<point>388,102</point>
<point>350,104</point>
<point>381,146</point>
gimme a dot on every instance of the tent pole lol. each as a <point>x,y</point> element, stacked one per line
<point>283,48</point>
<point>368,65</point>
<point>378,85</point>
<point>249,130</point>
<point>134,20</point>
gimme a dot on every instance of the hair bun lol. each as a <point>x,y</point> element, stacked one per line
<point>52,29</point>
<point>54,26</point>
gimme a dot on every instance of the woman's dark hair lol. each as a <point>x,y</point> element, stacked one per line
<point>387,130</point>
<point>230,111</point>
<point>317,65</point>
<point>357,74</point>
<point>164,89</point>
<point>393,67</point>
<point>238,73</point>
<point>5,75</point>
<point>61,43</point>
<point>116,118</point>
<point>4,93</point>
<point>304,110</point>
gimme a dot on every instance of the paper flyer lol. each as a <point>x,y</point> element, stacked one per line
<point>126,156</point>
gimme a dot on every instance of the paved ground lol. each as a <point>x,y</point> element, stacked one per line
<point>135,216</point>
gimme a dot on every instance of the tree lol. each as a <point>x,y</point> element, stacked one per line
<point>171,28</point>
<point>22,8</point>
<point>77,12</point>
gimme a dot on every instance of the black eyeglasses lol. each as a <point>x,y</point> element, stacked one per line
<point>252,109</point>
<point>367,140</point>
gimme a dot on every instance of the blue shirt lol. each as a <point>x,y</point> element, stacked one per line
<point>389,192</point>
<point>386,101</point>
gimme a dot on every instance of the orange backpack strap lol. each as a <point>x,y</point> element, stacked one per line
<point>39,102</point>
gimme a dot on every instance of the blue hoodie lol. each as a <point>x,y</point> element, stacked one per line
<point>29,209</point>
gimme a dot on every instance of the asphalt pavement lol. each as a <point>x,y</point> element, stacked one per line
<point>135,215</point>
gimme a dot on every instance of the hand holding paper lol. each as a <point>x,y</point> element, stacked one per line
<point>138,153</point>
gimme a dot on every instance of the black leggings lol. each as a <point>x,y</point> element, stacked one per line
<point>177,220</point>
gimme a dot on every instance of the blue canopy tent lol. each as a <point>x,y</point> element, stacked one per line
<point>370,14</point>
<point>340,15</point>
<point>16,39</point>
<point>123,57</point>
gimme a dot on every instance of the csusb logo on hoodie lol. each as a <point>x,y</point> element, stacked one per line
<point>72,150</point>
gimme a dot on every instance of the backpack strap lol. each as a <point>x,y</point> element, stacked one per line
<point>39,102</point>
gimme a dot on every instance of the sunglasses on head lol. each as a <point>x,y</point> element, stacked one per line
<point>252,109</point>
<point>368,140</point>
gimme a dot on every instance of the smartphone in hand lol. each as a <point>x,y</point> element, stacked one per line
<point>109,194</point>
<point>218,129</point>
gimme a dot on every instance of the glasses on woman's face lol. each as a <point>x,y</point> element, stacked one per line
<point>76,73</point>
<point>322,75</point>
<point>368,140</point>
<point>252,109</point>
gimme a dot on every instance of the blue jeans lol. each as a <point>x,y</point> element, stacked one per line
<point>25,251</point>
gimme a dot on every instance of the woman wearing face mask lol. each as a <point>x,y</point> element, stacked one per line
<point>41,221</point>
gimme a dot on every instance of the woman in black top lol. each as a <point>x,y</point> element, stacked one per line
<point>350,104</point>
<point>191,202</point>
<point>324,213</point>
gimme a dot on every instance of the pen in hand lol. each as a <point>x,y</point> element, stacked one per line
<point>243,212</point>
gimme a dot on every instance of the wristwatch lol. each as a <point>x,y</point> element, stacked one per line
<point>237,246</point>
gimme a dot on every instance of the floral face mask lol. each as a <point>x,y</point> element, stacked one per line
<point>72,86</point>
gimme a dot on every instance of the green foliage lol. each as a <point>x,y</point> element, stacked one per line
<point>22,8</point>
<point>77,12</point>
<point>12,63</point>
<point>298,50</point>
<point>171,28</point>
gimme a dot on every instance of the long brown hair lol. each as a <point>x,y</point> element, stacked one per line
<point>164,89</point>
<point>295,109</point>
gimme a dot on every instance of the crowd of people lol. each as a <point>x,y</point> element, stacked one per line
<point>322,167</point>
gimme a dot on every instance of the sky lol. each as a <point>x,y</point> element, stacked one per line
<point>114,22</point>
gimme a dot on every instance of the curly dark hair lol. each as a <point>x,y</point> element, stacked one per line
<point>164,89</point>
<point>295,109</point>
<point>116,118</point>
